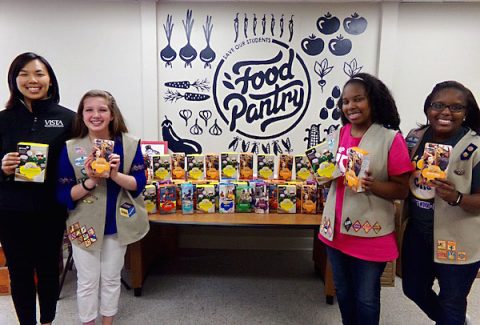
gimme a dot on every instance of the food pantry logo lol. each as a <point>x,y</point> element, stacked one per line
<point>261,92</point>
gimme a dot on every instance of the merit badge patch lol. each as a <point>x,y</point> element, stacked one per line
<point>377,227</point>
<point>451,255</point>
<point>357,226</point>
<point>347,224</point>
<point>452,245</point>
<point>80,150</point>
<point>81,234</point>
<point>441,244</point>
<point>367,227</point>
<point>127,210</point>
<point>441,254</point>
<point>468,152</point>
<point>461,256</point>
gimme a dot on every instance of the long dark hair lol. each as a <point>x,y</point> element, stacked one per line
<point>383,107</point>
<point>472,117</point>
<point>18,63</point>
<point>116,126</point>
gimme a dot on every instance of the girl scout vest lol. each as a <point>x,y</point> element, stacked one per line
<point>456,232</point>
<point>86,223</point>
<point>364,214</point>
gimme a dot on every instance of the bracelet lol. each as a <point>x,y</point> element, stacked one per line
<point>458,200</point>
<point>85,186</point>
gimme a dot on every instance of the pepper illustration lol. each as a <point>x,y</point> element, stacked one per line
<point>177,144</point>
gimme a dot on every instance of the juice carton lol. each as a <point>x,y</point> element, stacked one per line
<point>205,198</point>
<point>212,167</point>
<point>265,166</point>
<point>167,198</point>
<point>195,167</point>
<point>226,198</point>
<point>161,167</point>
<point>150,198</point>
<point>260,196</point>
<point>309,199</point>
<point>322,160</point>
<point>178,165</point>
<point>303,170</point>
<point>243,198</point>
<point>102,149</point>
<point>357,165</point>
<point>187,198</point>
<point>434,161</point>
<point>229,166</point>
<point>33,162</point>
<point>287,199</point>
<point>285,167</point>
<point>246,165</point>
<point>272,197</point>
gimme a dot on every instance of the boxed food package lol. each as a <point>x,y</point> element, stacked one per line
<point>322,161</point>
<point>298,186</point>
<point>150,148</point>
<point>167,198</point>
<point>260,196</point>
<point>287,198</point>
<point>303,170</point>
<point>265,166</point>
<point>272,197</point>
<point>150,198</point>
<point>285,167</point>
<point>229,166</point>
<point>178,183</point>
<point>33,162</point>
<point>178,165</point>
<point>357,166</point>
<point>243,198</point>
<point>102,149</point>
<point>195,167</point>
<point>187,198</point>
<point>246,166</point>
<point>212,167</point>
<point>161,167</point>
<point>434,161</point>
<point>205,198</point>
<point>226,197</point>
<point>309,199</point>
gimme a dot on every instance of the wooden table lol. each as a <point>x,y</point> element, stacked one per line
<point>163,239</point>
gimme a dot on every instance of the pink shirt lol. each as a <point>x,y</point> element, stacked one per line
<point>377,249</point>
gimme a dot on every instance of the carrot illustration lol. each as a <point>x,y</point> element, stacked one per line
<point>199,85</point>
<point>194,97</point>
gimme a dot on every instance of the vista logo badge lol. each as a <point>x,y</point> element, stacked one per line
<point>53,124</point>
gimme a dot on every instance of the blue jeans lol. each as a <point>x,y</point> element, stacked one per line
<point>357,284</point>
<point>419,272</point>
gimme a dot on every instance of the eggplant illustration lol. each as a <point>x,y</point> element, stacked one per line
<point>168,54</point>
<point>188,52</point>
<point>177,144</point>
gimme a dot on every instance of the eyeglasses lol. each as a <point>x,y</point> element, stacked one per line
<point>454,108</point>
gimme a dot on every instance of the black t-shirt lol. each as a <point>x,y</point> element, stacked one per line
<point>421,197</point>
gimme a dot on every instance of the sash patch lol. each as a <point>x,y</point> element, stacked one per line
<point>468,152</point>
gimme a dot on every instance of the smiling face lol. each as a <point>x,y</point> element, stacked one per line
<point>444,122</point>
<point>33,82</point>
<point>97,116</point>
<point>356,106</point>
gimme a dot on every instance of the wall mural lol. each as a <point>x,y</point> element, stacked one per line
<point>253,79</point>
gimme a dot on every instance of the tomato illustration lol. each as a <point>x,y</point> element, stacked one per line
<point>312,45</point>
<point>340,46</point>
<point>328,24</point>
<point>355,25</point>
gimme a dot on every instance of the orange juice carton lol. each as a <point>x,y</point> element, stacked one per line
<point>322,160</point>
<point>434,161</point>
<point>161,167</point>
<point>212,167</point>
<point>226,197</point>
<point>285,167</point>
<point>272,197</point>
<point>287,198</point>
<point>357,166</point>
<point>178,165</point>
<point>167,199</point>
<point>309,199</point>
<point>33,162</point>
<point>303,170</point>
<point>229,166</point>
<point>260,196</point>
<point>246,166</point>
<point>187,196</point>
<point>102,149</point>
<point>205,198</point>
<point>195,167</point>
<point>265,166</point>
<point>243,198</point>
<point>150,198</point>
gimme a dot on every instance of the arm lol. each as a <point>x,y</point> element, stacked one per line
<point>446,191</point>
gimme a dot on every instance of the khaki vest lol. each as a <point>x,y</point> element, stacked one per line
<point>364,214</point>
<point>86,223</point>
<point>456,232</point>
